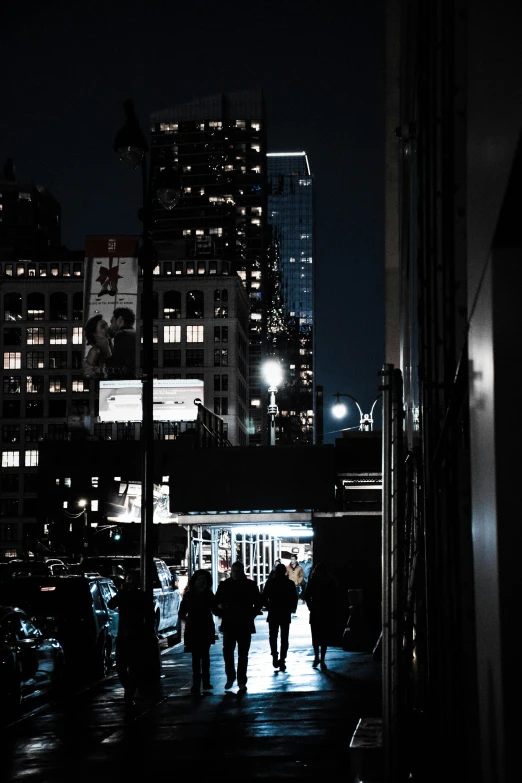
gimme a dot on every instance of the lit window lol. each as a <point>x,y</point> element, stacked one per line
<point>255,403</point>
<point>77,335</point>
<point>79,384</point>
<point>35,360</point>
<point>58,335</point>
<point>94,505</point>
<point>172,334</point>
<point>34,384</point>
<point>31,458</point>
<point>187,232</point>
<point>195,334</point>
<point>240,124</point>
<point>215,124</point>
<point>57,383</point>
<point>10,459</point>
<point>35,335</point>
<point>24,197</point>
<point>187,190</point>
<point>12,360</point>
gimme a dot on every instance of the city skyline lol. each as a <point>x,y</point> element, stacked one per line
<point>323,88</point>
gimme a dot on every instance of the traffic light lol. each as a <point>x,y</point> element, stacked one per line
<point>116,534</point>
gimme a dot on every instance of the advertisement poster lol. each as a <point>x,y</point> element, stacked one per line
<point>110,307</point>
<point>173,400</point>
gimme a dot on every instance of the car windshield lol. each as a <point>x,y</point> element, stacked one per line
<point>44,598</point>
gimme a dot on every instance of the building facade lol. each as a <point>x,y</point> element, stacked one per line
<point>200,331</point>
<point>451,462</point>
<point>290,292</point>
<point>218,144</point>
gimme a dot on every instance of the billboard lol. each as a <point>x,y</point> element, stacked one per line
<point>173,400</point>
<point>110,302</point>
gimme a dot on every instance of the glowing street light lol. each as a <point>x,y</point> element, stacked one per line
<point>340,410</point>
<point>273,375</point>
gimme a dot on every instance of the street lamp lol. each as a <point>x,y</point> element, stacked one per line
<point>131,145</point>
<point>273,376</point>
<point>340,410</point>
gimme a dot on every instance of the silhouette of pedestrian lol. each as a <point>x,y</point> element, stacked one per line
<point>135,632</point>
<point>196,608</point>
<point>280,598</point>
<point>239,601</point>
<point>320,597</point>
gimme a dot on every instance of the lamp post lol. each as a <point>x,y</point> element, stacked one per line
<point>340,410</point>
<point>131,145</point>
<point>273,375</point>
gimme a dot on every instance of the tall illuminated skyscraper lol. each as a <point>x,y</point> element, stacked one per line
<point>290,291</point>
<point>218,227</point>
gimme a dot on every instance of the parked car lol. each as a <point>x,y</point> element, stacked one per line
<point>74,610</point>
<point>33,567</point>
<point>167,597</point>
<point>31,662</point>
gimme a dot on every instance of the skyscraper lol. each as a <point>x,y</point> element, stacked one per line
<point>218,226</point>
<point>290,291</point>
<point>30,217</point>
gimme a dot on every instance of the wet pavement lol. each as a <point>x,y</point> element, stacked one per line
<point>293,724</point>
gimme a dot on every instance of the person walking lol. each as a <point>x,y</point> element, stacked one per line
<point>196,608</point>
<point>135,632</point>
<point>307,566</point>
<point>295,574</point>
<point>238,601</point>
<point>320,597</point>
<point>280,598</point>
<point>271,575</point>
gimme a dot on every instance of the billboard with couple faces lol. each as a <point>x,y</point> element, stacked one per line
<point>110,307</point>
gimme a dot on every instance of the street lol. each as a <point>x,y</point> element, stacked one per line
<point>296,724</point>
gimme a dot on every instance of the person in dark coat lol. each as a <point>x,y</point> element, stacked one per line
<point>136,633</point>
<point>272,572</point>
<point>280,598</point>
<point>239,601</point>
<point>320,597</point>
<point>196,608</point>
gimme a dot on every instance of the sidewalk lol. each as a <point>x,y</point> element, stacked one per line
<point>296,724</point>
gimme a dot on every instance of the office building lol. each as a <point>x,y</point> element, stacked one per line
<point>200,331</point>
<point>290,292</point>
<point>30,217</point>
<point>218,144</point>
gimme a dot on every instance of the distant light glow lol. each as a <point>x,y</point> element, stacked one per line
<point>281,531</point>
<point>272,373</point>
<point>339,410</point>
<point>290,155</point>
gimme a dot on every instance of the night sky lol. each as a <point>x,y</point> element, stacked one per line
<point>67,67</point>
